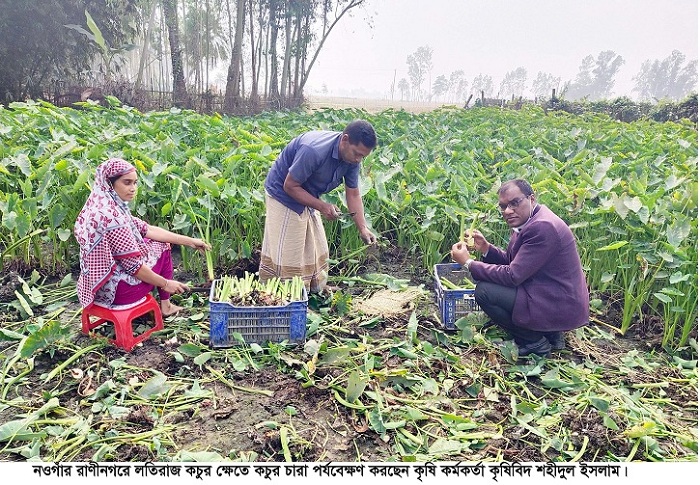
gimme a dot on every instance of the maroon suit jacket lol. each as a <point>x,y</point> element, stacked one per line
<point>542,262</point>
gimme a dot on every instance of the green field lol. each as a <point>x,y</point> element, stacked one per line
<point>389,388</point>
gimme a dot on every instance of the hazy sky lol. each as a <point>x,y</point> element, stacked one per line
<point>497,36</point>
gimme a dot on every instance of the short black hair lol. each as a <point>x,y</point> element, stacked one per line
<point>523,185</point>
<point>361,131</point>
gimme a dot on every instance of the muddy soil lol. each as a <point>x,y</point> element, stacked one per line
<point>242,421</point>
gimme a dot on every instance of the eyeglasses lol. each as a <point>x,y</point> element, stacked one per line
<point>513,204</point>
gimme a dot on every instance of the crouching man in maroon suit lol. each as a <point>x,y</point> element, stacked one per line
<point>535,289</point>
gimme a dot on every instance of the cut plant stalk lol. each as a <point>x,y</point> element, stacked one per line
<point>223,379</point>
<point>243,289</point>
<point>205,236</point>
<point>470,238</point>
<point>466,284</point>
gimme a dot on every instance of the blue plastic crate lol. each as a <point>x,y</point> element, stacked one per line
<point>256,324</point>
<point>453,304</point>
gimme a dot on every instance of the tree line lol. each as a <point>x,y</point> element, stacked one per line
<point>130,46</point>
<point>138,49</point>
<point>669,79</point>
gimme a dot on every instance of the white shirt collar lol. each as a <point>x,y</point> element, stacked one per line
<point>520,227</point>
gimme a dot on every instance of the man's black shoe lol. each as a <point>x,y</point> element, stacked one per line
<point>556,339</point>
<point>542,348</point>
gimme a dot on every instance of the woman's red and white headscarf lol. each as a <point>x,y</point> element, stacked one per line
<point>106,232</point>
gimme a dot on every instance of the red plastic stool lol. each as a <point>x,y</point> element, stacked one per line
<point>123,320</point>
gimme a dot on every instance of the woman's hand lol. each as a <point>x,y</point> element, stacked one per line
<point>174,287</point>
<point>199,245</point>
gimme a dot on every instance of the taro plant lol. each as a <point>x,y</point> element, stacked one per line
<point>609,181</point>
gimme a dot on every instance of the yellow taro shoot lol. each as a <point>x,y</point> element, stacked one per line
<point>470,234</point>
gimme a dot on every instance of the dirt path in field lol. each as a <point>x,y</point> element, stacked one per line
<point>374,105</point>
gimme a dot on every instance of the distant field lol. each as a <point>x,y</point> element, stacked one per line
<point>373,105</point>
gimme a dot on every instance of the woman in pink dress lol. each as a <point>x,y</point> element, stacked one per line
<point>122,258</point>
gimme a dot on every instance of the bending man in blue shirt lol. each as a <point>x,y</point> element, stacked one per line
<point>312,164</point>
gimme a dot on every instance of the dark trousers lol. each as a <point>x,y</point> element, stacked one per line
<point>497,302</point>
